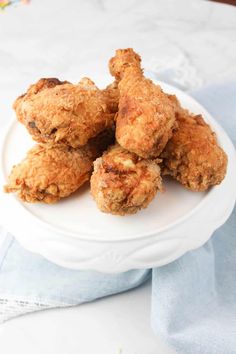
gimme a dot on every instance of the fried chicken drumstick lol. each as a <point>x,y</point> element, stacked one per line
<point>51,172</point>
<point>146,116</point>
<point>123,183</point>
<point>60,112</point>
<point>74,124</point>
<point>193,156</point>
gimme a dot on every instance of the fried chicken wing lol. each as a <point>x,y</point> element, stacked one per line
<point>123,183</point>
<point>146,116</point>
<point>60,112</point>
<point>193,156</point>
<point>50,172</point>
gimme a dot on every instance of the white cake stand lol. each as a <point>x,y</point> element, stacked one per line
<point>75,234</point>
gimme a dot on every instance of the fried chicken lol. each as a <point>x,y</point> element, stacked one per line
<point>74,124</point>
<point>50,172</point>
<point>60,112</point>
<point>146,116</point>
<point>193,156</point>
<point>123,183</point>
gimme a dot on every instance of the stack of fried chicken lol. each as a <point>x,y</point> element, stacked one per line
<point>131,132</point>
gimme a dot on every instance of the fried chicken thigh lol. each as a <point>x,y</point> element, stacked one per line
<point>51,172</point>
<point>123,183</point>
<point>193,156</point>
<point>146,116</point>
<point>60,112</point>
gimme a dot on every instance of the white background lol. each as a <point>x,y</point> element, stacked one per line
<point>71,39</point>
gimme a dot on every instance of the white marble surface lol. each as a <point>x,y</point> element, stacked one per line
<point>114,325</point>
<point>191,40</point>
<point>70,39</point>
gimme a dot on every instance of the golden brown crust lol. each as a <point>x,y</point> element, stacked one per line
<point>124,58</point>
<point>193,156</point>
<point>112,96</point>
<point>60,112</point>
<point>43,84</point>
<point>51,172</point>
<point>146,115</point>
<point>123,183</point>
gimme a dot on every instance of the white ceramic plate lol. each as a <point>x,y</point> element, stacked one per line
<point>74,233</point>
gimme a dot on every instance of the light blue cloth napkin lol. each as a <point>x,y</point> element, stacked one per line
<point>194,298</point>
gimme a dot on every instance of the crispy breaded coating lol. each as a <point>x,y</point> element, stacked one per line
<point>193,156</point>
<point>124,59</point>
<point>112,95</point>
<point>146,116</point>
<point>51,172</point>
<point>123,183</point>
<point>60,112</point>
